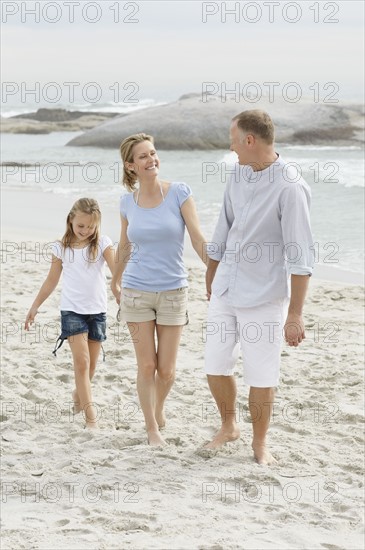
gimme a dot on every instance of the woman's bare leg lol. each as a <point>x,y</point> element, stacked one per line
<point>168,344</point>
<point>144,344</point>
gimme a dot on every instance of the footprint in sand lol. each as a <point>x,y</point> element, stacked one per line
<point>206,453</point>
<point>64,378</point>
<point>62,522</point>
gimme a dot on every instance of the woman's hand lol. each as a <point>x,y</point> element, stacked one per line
<point>208,283</point>
<point>30,317</point>
<point>209,276</point>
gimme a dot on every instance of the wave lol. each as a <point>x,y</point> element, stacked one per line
<point>352,167</point>
<point>321,147</point>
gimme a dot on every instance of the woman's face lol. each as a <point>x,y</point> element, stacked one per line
<point>145,160</point>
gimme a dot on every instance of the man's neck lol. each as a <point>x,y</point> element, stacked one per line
<point>264,161</point>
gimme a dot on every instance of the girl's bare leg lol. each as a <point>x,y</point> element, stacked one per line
<point>94,352</point>
<point>81,359</point>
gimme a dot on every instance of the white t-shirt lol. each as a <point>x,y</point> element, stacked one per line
<point>84,280</point>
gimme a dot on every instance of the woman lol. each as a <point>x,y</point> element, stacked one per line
<point>149,267</point>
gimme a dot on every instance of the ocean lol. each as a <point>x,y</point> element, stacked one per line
<point>335,175</point>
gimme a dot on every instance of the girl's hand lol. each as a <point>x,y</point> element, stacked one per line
<point>30,317</point>
<point>116,290</point>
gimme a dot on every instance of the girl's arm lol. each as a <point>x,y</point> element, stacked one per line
<point>123,254</point>
<point>47,288</point>
<point>188,212</point>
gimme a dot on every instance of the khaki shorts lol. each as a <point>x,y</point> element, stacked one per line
<point>168,307</point>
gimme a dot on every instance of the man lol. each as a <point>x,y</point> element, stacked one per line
<point>261,254</point>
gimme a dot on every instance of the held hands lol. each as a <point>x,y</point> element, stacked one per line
<point>209,276</point>
<point>294,329</point>
<point>116,290</point>
<point>208,284</point>
<point>30,317</point>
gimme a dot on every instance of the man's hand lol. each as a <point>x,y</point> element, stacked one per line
<point>294,329</point>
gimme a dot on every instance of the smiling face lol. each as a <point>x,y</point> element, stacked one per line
<point>145,160</point>
<point>83,226</point>
<point>241,143</point>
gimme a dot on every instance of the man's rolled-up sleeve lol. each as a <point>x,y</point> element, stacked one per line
<point>296,229</point>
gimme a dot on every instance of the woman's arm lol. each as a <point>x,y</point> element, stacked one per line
<point>123,254</point>
<point>212,266</point>
<point>109,257</point>
<point>188,212</point>
<point>46,290</point>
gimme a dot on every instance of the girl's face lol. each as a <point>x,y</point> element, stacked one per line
<point>83,226</point>
<point>145,160</point>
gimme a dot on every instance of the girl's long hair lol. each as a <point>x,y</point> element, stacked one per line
<point>90,207</point>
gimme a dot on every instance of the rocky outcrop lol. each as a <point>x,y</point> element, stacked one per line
<point>194,122</point>
<point>61,115</point>
<point>45,121</point>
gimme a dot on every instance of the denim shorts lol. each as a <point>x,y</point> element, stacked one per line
<point>77,323</point>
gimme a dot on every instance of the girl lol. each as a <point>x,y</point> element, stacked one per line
<point>153,301</point>
<point>81,254</point>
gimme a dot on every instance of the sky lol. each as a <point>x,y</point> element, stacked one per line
<point>169,48</point>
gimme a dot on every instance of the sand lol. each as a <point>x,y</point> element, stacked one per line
<point>67,487</point>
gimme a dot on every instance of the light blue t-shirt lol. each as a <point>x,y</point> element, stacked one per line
<point>157,237</point>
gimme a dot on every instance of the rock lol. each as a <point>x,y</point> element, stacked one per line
<point>194,122</point>
<point>23,126</point>
<point>14,164</point>
<point>19,125</point>
<point>61,115</point>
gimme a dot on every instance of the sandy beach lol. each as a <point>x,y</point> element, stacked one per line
<point>65,487</point>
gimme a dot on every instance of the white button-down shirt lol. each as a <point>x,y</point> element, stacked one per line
<point>263,234</point>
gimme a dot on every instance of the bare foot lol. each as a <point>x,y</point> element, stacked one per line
<point>76,400</point>
<point>160,418</point>
<point>262,454</point>
<point>155,439</point>
<point>222,437</point>
<point>92,425</point>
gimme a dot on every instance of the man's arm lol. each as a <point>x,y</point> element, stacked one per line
<point>294,325</point>
<point>298,236</point>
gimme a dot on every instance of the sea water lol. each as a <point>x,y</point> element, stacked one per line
<point>335,175</point>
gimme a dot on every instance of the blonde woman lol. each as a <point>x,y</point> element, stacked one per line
<point>150,280</point>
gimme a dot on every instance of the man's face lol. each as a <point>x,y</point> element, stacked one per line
<point>239,143</point>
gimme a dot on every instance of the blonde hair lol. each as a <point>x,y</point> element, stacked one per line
<point>258,123</point>
<point>126,152</point>
<point>90,207</point>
